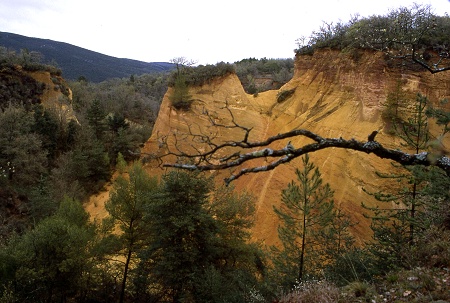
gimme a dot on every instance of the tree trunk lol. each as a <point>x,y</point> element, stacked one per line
<point>413,213</point>
<point>302,253</point>
<point>125,273</point>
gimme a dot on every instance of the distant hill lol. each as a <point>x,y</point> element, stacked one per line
<point>75,61</point>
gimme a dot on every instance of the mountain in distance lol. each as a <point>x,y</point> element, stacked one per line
<point>75,61</point>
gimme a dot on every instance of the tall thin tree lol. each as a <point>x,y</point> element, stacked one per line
<point>306,208</point>
<point>126,208</point>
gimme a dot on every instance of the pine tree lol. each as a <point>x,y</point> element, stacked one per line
<point>398,224</point>
<point>51,262</point>
<point>97,119</point>
<point>126,207</point>
<point>394,106</point>
<point>20,149</point>
<point>181,233</point>
<point>198,248</point>
<point>306,209</point>
<point>180,97</point>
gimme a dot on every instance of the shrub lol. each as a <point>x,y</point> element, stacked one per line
<point>354,265</point>
<point>433,248</point>
<point>19,88</point>
<point>285,94</point>
<point>358,289</point>
<point>312,291</point>
<point>202,74</point>
<point>252,89</point>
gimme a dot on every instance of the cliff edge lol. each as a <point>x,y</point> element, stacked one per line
<point>332,94</point>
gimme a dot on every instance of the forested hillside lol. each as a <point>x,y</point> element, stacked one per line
<point>76,62</point>
<point>308,212</point>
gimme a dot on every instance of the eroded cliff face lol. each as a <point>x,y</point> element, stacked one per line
<point>35,87</point>
<point>56,94</point>
<point>335,96</point>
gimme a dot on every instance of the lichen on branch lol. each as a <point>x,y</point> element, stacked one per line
<point>286,154</point>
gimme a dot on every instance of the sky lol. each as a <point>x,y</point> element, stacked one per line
<point>204,31</point>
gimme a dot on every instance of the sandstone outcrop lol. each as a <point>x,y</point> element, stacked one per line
<point>334,95</point>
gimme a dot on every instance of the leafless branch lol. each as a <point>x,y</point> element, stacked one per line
<point>433,68</point>
<point>287,154</point>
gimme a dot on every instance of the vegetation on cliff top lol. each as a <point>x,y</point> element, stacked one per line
<point>274,72</point>
<point>405,33</point>
<point>17,86</point>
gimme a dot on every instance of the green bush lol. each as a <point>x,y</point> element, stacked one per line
<point>29,61</point>
<point>433,248</point>
<point>312,291</point>
<point>202,74</point>
<point>285,94</point>
<point>359,289</point>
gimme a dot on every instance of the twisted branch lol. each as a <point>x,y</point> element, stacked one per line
<point>287,154</point>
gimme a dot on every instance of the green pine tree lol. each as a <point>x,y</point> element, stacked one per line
<point>401,219</point>
<point>182,234</point>
<point>180,97</point>
<point>394,106</point>
<point>198,248</point>
<point>126,206</point>
<point>306,209</point>
<point>97,119</point>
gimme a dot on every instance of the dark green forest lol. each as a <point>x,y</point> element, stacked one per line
<point>75,62</point>
<point>183,238</point>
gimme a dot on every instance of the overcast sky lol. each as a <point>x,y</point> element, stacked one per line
<point>207,31</point>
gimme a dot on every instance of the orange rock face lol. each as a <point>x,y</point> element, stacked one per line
<point>53,97</point>
<point>335,96</point>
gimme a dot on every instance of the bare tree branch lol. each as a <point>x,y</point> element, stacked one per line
<point>287,154</point>
<point>431,68</point>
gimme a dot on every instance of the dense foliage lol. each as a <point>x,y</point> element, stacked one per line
<point>17,87</point>
<point>180,97</point>
<point>273,72</point>
<point>181,239</point>
<point>27,60</point>
<point>408,33</point>
<point>48,152</point>
<point>202,74</point>
<point>198,243</point>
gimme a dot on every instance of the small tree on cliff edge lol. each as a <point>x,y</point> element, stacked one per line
<point>180,97</point>
<point>306,209</point>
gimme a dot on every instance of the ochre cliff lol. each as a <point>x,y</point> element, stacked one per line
<point>56,94</point>
<point>335,96</point>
